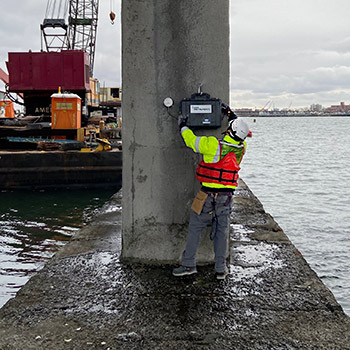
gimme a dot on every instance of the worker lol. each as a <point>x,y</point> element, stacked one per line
<point>218,174</point>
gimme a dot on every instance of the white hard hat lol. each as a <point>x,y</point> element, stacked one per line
<point>238,128</point>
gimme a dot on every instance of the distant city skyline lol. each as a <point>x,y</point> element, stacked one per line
<point>341,106</point>
<point>312,110</point>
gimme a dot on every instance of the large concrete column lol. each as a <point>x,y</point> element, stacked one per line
<point>169,48</point>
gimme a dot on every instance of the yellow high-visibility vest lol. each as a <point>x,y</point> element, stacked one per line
<point>212,151</point>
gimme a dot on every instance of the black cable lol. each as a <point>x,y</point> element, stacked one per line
<point>10,97</point>
<point>173,116</point>
<point>47,8</point>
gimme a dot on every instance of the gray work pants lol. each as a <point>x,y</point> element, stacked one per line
<point>223,205</point>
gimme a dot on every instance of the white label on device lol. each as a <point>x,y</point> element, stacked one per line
<point>201,109</point>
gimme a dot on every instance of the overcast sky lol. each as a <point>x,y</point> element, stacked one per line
<point>290,52</point>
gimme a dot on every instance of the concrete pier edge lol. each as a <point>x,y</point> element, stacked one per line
<point>85,298</point>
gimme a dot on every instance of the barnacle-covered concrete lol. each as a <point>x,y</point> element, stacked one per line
<point>86,298</point>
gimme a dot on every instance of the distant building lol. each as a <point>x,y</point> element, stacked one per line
<point>111,97</point>
<point>246,112</point>
<point>316,108</point>
<point>341,108</point>
<point>110,94</point>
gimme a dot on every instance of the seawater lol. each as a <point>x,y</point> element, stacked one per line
<point>34,225</point>
<point>298,167</point>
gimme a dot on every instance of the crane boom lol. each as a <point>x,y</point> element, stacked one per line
<point>77,32</point>
<point>262,109</point>
<point>4,76</point>
<point>82,22</point>
<point>54,27</point>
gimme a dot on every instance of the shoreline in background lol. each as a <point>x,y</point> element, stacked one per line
<point>292,115</point>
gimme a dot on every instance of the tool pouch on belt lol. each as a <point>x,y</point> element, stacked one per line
<point>199,201</point>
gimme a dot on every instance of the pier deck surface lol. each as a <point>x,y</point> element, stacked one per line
<point>85,298</point>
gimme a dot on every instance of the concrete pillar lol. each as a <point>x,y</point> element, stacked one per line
<point>169,47</point>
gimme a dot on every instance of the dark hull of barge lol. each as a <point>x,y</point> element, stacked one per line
<point>60,169</point>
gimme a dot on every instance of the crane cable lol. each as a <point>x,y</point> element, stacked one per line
<point>51,7</point>
<point>47,8</point>
<point>59,9</point>
<point>112,14</point>
<point>12,98</point>
<point>66,8</point>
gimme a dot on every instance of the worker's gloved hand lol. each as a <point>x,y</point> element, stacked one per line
<point>182,122</point>
<point>232,116</point>
<point>227,112</point>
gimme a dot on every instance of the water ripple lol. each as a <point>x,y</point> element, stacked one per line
<point>34,225</point>
<point>298,168</point>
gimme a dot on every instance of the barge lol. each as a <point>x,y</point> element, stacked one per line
<point>60,169</point>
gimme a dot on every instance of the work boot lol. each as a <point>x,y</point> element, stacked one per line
<point>183,271</point>
<point>222,275</point>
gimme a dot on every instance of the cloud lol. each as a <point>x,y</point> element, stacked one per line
<point>280,50</point>
<point>338,76</point>
<point>283,49</point>
<point>320,86</point>
<point>108,46</point>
